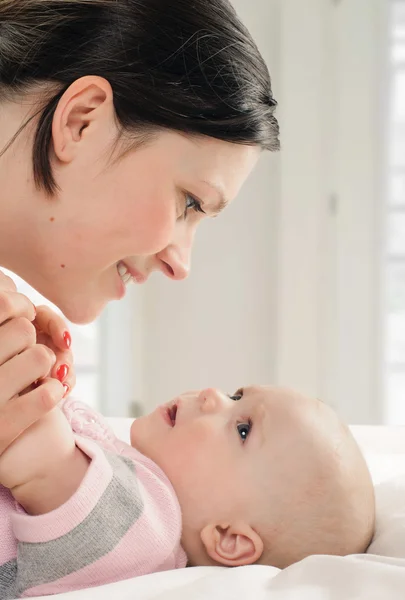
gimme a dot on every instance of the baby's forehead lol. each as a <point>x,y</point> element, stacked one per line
<point>282,407</point>
<point>290,429</point>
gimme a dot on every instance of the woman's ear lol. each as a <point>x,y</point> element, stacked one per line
<point>232,545</point>
<point>86,101</point>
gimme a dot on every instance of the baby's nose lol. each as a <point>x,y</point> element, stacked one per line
<point>211,400</point>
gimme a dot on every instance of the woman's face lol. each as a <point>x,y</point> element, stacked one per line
<point>118,214</point>
<point>138,215</point>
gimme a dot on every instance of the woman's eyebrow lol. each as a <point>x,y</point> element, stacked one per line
<point>223,201</point>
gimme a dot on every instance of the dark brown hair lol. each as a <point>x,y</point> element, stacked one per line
<point>186,65</point>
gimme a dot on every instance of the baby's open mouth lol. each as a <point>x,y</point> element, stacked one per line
<point>172,412</point>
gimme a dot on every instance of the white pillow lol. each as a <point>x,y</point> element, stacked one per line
<point>389,537</point>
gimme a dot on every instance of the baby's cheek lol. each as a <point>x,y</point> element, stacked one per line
<point>200,434</point>
<point>196,447</point>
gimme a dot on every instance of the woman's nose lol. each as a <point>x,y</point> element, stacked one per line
<point>211,400</point>
<point>174,262</point>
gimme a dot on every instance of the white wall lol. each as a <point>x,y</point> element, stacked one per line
<point>218,327</point>
<point>332,65</point>
<point>304,63</point>
<point>328,343</point>
<point>283,286</point>
<point>354,377</point>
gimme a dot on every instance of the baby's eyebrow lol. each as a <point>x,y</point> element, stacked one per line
<point>262,429</point>
<point>260,419</point>
<point>247,390</point>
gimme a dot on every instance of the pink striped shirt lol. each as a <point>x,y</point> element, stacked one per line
<point>123,521</point>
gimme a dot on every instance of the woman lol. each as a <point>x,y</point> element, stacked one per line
<point>123,123</point>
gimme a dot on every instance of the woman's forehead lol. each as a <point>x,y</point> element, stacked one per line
<point>222,165</point>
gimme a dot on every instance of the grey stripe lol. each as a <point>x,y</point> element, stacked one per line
<point>8,573</point>
<point>117,510</point>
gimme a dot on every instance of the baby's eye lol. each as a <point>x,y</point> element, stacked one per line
<point>237,395</point>
<point>244,429</point>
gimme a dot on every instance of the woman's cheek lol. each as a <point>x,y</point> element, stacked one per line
<point>157,227</point>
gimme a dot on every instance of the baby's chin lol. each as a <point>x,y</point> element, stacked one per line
<point>135,435</point>
<point>142,437</point>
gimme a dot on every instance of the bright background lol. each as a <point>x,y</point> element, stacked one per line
<point>302,281</point>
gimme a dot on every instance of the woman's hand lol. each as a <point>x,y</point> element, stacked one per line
<point>53,333</point>
<point>22,362</point>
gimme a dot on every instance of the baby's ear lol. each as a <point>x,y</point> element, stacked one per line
<point>232,545</point>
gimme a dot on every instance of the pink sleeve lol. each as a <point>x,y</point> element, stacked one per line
<point>59,522</point>
<point>123,521</point>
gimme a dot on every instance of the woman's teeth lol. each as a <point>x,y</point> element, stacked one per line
<point>124,274</point>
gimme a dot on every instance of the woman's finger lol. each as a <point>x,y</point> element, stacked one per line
<point>63,369</point>
<point>52,324</point>
<point>15,336</point>
<point>22,370</point>
<point>48,393</point>
<point>6,283</point>
<point>21,412</point>
<point>13,304</point>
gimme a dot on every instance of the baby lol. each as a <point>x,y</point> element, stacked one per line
<point>264,476</point>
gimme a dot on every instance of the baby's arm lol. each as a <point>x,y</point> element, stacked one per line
<point>43,467</point>
<point>123,521</point>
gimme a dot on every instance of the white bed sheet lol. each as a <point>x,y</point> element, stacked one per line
<point>365,577</point>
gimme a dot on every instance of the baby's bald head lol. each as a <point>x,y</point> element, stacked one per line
<point>318,497</point>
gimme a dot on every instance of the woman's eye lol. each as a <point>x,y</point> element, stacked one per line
<point>192,204</point>
<point>244,429</point>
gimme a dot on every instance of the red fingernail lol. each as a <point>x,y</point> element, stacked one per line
<point>66,388</point>
<point>67,339</point>
<point>62,372</point>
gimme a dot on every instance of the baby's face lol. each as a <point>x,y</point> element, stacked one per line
<point>207,443</point>
<point>221,451</point>
<point>242,466</point>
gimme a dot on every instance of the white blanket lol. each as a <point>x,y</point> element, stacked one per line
<point>366,577</point>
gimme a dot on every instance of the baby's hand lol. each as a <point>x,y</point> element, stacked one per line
<point>37,451</point>
<point>43,467</point>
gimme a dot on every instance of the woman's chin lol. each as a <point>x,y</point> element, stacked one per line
<point>81,311</point>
